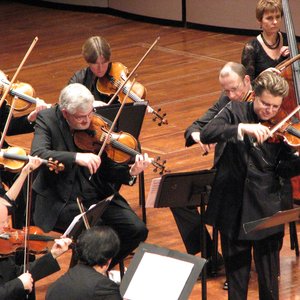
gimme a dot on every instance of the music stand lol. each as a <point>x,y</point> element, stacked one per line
<point>131,121</point>
<point>187,189</point>
<point>279,218</point>
<point>160,273</point>
<point>93,215</point>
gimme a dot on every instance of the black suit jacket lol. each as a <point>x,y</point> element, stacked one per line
<point>246,187</point>
<point>53,139</point>
<point>11,287</point>
<point>83,282</point>
<point>198,125</point>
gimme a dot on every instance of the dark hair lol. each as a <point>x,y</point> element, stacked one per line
<point>96,246</point>
<point>94,47</point>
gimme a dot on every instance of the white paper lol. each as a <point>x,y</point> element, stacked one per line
<point>71,226</point>
<point>158,277</point>
<point>150,202</point>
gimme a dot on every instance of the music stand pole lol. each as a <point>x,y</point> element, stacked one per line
<point>183,190</point>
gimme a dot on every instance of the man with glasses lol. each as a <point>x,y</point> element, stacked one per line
<point>236,86</point>
<point>86,175</point>
<point>247,185</point>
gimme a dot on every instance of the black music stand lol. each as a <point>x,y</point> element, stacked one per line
<point>279,218</point>
<point>131,118</point>
<point>160,273</point>
<point>131,121</point>
<point>187,189</point>
<point>93,215</point>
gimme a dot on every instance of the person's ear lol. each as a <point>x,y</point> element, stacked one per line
<point>64,113</point>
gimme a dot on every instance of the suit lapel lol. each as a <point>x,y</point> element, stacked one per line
<point>65,131</point>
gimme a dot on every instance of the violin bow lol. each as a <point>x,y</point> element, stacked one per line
<point>18,70</point>
<point>7,123</point>
<point>27,223</point>
<point>8,89</point>
<point>82,211</point>
<point>132,72</point>
<point>277,126</point>
<point>115,120</point>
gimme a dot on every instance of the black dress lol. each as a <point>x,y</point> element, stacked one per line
<point>255,59</point>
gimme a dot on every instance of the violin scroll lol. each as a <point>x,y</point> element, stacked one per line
<point>55,166</point>
<point>162,118</point>
<point>13,159</point>
<point>160,166</point>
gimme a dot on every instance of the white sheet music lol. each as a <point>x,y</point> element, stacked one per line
<point>150,202</point>
<point>158,277</point>
<point>75,220</point>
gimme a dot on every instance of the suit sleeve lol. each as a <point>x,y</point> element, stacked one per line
<point>17,125</point>
<point>198,125</point>
<point>43,267</point>
<point>42,143</point>
<point>222,128</point>
<point>12,289</point>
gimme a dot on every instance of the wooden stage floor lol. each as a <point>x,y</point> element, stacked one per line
<point>181,76</point>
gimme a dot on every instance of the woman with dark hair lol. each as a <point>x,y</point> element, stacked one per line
<point>88,279</point>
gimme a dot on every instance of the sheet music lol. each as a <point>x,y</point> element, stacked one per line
<point>71,226</point>
<point>75,220</point>
<point>158,277</point>
<point>150,202</point>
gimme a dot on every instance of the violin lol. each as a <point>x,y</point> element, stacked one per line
<point>12,240</point>
<point>14,158</point>
<point>23,93</point>
<point>109,84</point>
<point>120,147</point>
<point>288,131</point>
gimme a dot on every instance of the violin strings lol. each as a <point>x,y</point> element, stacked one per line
<point>117,84</point>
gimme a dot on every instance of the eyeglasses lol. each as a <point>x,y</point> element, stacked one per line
<point>82,117</point>
<point>234,89</point>
<point>268,105</point>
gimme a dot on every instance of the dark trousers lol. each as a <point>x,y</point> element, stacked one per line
<point>119,215</point>
<point>237,255</point>
<point>188,221</point>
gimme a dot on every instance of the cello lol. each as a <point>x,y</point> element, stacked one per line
<point>293,77</point>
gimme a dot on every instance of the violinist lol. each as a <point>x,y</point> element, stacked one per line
<point>247,188</point>
<point>236,86</point>
<point>13,284</point>
<point>96,52</point>
<point>259,55</point>
<point>18,125</point>
<point>23,124</point>
<point>55,203</point>
<point>269,48</point>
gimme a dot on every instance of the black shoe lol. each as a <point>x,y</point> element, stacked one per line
<point>225,286</point>
<point>211,269</point>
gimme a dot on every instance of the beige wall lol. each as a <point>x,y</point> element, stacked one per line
<point>232,13</point>
<point>96,3</point>
<point>161,9</point>
<point>222,13</point>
